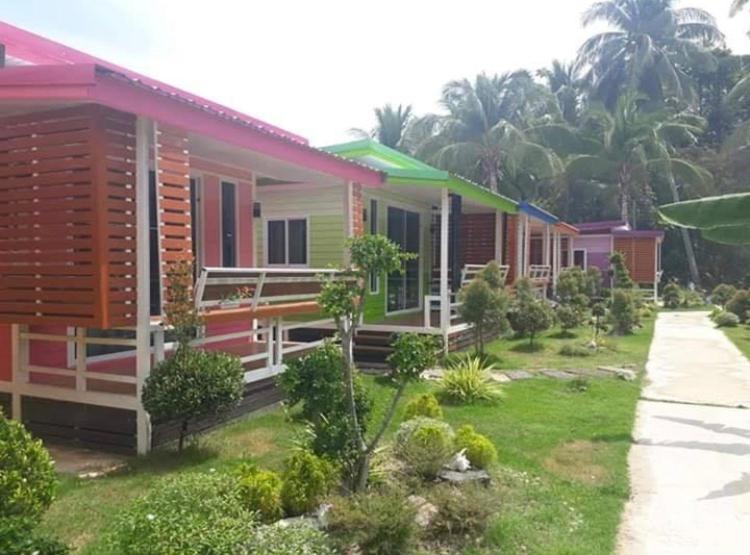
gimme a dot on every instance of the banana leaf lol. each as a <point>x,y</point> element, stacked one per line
<point>710,212</point>
<point>728,235</point>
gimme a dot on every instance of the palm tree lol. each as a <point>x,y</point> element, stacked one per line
<point>634,145</point>
<point>483,137</point>
<point>390,127</point>
<point>564,82</point>
<point>738,6</point>
<point>647,48</point>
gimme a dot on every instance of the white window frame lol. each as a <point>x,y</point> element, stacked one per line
<point>286,219</point>
<point>585,258</point>
<point>420,255</point>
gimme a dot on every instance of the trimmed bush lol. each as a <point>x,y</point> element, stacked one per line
<point>623,314</point>
<point>529,314</point>
<point>193,384</point>
<point>485,308</point>
<point>739,304</point>
<point>467,380</point>
<point>726,320</point>
<point>294,539</point>
<point>306,479</point>
<point>27,474</point>
<point>722,294</point>
<point>18,536</point>
<point>190,514</point>
<point>479,449</point>
<point>425,444</point>
<point>378,523</point>
<point>569,316</point>
<point>260,491</point>
<point>671,295</point>
<point>423,405</point>
<point>463,511</point>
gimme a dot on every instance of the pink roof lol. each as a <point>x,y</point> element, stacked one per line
<point>71,76</point>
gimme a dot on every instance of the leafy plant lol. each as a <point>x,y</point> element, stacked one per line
<point>180,309</point>
<point>462,511</point>
<point>423,405</point>
<point>192,384</point>
<point>621,274</point>
<point>306,479</point>
<point>569,317</point>
<point>572,350</point>
<point>492,274</point>
<point>190,514</point>
<point>480,450</point>
<point>722,294</point>
<point>425,444</point>
<point>294,539</point>
<point>468,381</point>
<point>623,314</point>
<point>485,308</point>
<point>672,295</point>
<point>378,523</point>
<point>529,314</point>
<point>726,320</point>
<point>260,491</point>
<point>27,473</point>
<point>739,304</point>
<point>19,536</point>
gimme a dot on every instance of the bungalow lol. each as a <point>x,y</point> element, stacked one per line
<point>108,178</point>
<point>641,248</point>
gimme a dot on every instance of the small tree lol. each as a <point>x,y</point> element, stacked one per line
<point>485,307</point>
<point>569,317</point>
<point>344,300</point>
<point>570,284</point>
<point>722,294</point>
<point>192,383</point>
<point>621,275</point>
<point>598,311</point>
<point>624,314</point>
<point>671,295</point>
<point>492,274</point>
<point>530,314</point>
<point>593,282</point>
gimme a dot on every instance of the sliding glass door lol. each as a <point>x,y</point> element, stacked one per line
<point>403,289</point>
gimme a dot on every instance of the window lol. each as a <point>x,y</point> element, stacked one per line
<point>374,278</point>
<point>580,258</point>
<point>286,242</point>
<point>403,288</point>
<point>228,224</point>
<point>153,240</point>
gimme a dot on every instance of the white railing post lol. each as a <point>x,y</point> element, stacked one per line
<point>80,359</point>
<point>143,319</point>
<point>279,341</point>
<point>159,354</point>
<point>445,316</point>
<point>269,343</point>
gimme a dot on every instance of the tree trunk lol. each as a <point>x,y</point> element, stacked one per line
<point>686,241</point>
<point>624,194</point>
<point>183,434</point>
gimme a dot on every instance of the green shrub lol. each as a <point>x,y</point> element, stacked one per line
<point>722,294</point>
<point>485,308</point>
<point>571,283</point>
<point>462,511</point>
<point>423,405</point>
<point>739,304</point>
<point>468,381</point>
<point>425,444</point>
<point>378,523</point>
<point>579,384</point>
<point>27,473</point>
<point>260,491</point>
<point>307,478</point>
<point>190,514</point>
<point>479,449</point>
<point>572,350</point>
<point>493,276</point>
<point>593,282</point>
<point>671,295</point>
<point>529,314</point>
<point>294,539</point>
<point>621,275</point>
<point>727,320</point>
<point>569,316</point>
<point>623,314</point>
<point>19,536</point>
<point>193,384</point>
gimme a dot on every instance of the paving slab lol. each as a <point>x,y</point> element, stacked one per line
<point>519,374</point>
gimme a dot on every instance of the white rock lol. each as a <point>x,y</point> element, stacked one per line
<point>459,462</point>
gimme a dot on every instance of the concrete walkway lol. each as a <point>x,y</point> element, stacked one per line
<point>690,464</point>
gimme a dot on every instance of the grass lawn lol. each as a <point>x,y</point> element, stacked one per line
<point>740,336</point>
<point>562,468</point>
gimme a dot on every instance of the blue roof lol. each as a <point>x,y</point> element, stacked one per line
<point>538,213</point>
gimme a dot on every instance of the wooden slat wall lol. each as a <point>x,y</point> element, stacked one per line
<point>511,246</point>
<point>640,257</point>
<point>67,218</point>
<point>173,163</point>
<point>477,238</point>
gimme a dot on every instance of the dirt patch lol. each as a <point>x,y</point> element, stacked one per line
<point>576,460</point>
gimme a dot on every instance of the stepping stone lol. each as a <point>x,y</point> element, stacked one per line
<point>499,377</point>
<point>519,375</point>
<point>470,476</point>
<point>433,374</point>
<point>622,373</point>
<point>558,374</point>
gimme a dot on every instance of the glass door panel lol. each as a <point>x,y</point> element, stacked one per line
<point>403,289</point>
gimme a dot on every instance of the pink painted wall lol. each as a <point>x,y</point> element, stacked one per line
<point>211,221</point>
<point>598,247</point>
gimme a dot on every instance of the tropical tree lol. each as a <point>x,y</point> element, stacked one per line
<point>647,47</point>
<point>633,148</point>
<point>390,126</point>
<point>723,219</point>
<point>483,136</point>
<point>563,81</point>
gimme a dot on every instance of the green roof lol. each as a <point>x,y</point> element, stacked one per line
<point>402,169</point>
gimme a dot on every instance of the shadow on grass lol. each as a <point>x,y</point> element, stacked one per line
<point>167,459</point>
<point>528,348</point>
<point>613,438</point>
<point>563,334</point>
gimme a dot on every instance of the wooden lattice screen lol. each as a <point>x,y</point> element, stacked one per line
<point>173,165</point>
<point>67,218</point>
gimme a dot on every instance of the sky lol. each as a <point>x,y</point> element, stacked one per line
<point>319,67</point>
